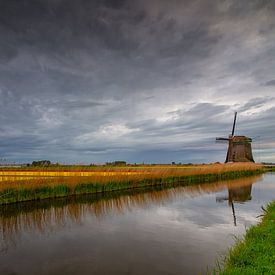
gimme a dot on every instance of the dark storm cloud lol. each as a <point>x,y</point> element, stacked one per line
<point>87,39</point>
<point>136,80</point>
<point>270,83</point>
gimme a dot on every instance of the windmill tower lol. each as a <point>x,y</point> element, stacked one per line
<point>239,147</point>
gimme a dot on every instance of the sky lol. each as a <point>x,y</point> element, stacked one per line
<point>151,81</point>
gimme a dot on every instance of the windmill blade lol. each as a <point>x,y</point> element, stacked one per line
<point>222,140</point>
<point>221,198</point>
<point>256,137</point>
<point>234,124</point>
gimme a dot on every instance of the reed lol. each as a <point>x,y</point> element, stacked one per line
<point>41,186</point>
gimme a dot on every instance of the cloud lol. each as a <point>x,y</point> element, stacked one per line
<point>92,81</point>
<point>257,105</point>
<point>270,83</point>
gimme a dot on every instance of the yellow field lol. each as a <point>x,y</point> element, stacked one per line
<point>130,170</point>
<point>36,178</point>
<point>40,173</point>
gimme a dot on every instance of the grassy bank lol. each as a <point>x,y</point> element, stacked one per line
<point>36,188</point>
<point>256,253</point>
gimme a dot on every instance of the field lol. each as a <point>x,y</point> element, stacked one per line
<point>39,183</point>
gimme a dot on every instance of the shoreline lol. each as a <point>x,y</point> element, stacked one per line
<point>255,253</point>
<point>29,191</point>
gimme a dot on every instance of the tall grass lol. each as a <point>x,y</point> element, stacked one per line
<point>114,179</point>
<point>255,254</point>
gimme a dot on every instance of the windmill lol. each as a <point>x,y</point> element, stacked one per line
<point>239,147</point>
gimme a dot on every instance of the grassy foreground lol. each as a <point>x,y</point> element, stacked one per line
<point>22,185</point>
<point>256,253</point>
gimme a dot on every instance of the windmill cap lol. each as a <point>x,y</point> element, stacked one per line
<point>241,138</point>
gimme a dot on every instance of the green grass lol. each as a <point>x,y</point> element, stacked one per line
<point>256,253</point>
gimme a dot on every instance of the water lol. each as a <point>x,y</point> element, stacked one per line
<point>184,230</point>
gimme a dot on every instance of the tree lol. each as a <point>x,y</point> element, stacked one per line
<point>41,163</point>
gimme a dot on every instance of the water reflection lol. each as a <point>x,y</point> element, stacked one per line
<point>238,194</point>
<point>46,216</point>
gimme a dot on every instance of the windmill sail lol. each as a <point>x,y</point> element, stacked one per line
<point>234,124</point>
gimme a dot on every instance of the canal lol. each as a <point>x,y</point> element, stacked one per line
<point>184,230</point>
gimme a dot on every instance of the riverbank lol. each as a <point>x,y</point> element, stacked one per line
<point>256,253</point>
<point>18,185</point>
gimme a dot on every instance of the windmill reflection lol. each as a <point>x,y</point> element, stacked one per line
<point>236,194</point>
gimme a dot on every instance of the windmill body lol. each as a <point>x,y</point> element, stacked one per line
<point>239,147</point>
